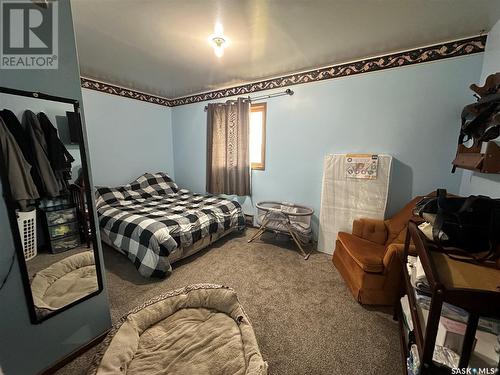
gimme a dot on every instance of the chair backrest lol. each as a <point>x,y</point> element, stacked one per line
<point>396,225</point>
<point>78,197</point>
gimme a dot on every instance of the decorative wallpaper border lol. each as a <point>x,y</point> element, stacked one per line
<point>415,56</point>
<point>88,83</point>
<point>435,52</point>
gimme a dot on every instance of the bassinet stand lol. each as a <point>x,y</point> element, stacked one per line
<point>286,220</point>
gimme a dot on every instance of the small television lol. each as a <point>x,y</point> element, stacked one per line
<point>74,127</point>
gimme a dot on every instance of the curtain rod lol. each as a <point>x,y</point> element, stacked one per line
<point>39,95</point>
<point>286,92</point>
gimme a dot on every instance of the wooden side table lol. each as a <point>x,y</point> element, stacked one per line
<point>473,288</point>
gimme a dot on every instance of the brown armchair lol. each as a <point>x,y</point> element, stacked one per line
<point>368,259</point>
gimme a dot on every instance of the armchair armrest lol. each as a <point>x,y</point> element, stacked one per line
<point>370,229</point>
<point>393,252</point>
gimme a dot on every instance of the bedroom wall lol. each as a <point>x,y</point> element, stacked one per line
<point>481,183</point>
<point>127,137</point>
<point>411,113</point>
<point>28,348</point>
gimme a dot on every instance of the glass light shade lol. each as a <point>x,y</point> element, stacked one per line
<point>219,51</point>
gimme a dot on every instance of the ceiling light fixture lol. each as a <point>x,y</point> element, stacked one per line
<point>218,40</point>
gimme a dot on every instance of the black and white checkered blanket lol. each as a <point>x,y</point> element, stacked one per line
<point>151,218</point>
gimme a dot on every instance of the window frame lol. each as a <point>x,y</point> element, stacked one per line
<point>262,108</point>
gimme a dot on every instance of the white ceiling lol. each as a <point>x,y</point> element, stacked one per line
<point>161,46</point>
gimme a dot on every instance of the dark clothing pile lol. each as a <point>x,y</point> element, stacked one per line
<point>59,157</point>
<point>38,164</point>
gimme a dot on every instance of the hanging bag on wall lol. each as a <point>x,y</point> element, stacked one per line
<point>468,225</point>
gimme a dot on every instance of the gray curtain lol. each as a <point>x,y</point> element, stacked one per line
<point>228,163</point>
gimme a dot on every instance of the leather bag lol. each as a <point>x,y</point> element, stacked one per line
<point>469,225</point>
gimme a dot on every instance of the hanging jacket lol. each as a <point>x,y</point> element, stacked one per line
<point>22,187</point>
<point>23,141</point>
<point>59,157</point>
<point>33,129</point>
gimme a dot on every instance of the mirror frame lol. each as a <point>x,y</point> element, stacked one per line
<point>11,210</point>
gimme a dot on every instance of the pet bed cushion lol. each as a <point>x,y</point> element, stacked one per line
<point>199,329</point>
<point>65,281</point>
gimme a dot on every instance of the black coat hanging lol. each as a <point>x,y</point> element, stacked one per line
<point>24,143</point>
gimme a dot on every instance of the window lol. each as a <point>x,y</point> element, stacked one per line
<point>258,136</point>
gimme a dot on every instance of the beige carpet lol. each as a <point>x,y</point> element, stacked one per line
<point>305,319</point>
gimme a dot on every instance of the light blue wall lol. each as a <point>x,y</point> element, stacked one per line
<point>411,113</point>
<point>126,138</point>
<point>26,349</point>
<point>482,183</point>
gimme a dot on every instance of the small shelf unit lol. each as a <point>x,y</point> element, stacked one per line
<point>474,288</point>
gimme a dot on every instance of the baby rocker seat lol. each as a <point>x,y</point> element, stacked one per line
<point>199,329</point>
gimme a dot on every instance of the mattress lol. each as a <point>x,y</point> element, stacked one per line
<point>345,198</point>
<point>179,253</point>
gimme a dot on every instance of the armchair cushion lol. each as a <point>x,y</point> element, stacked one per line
<point>367,254</point>
<point>370,229</point>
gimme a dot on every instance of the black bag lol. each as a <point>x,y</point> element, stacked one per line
<point>471,224</point>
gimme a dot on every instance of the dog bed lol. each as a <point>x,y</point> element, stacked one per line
<point>199,329</point>
<point>64,282</point>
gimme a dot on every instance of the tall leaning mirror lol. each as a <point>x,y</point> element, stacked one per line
<point>44,172</point>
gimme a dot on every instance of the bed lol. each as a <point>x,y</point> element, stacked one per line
<point>154,223</point>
